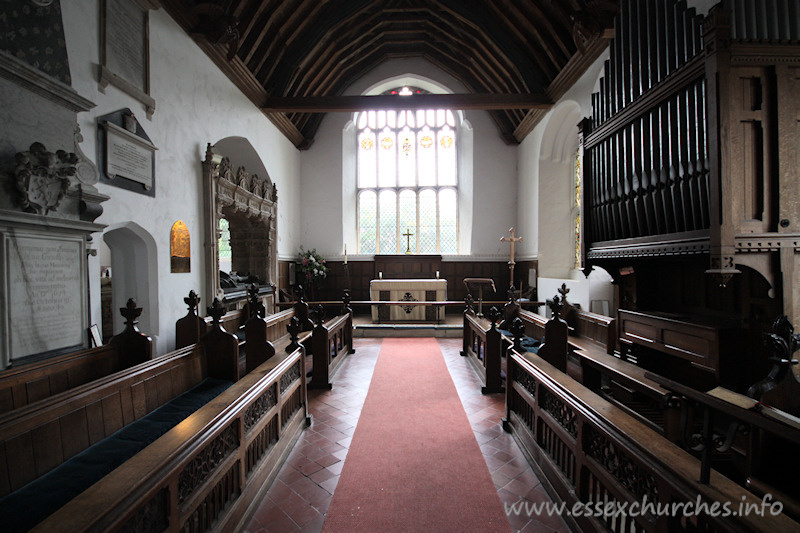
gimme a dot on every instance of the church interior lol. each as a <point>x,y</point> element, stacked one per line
<point>399,265</point>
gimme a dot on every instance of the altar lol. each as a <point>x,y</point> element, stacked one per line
<point>410,290</point>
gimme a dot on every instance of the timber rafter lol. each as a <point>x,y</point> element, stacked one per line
<point>295,59</point>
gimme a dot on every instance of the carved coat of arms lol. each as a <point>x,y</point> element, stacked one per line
<point>43,177</point>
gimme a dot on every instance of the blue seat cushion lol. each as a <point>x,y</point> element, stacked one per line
<point>29,505</point>
<point>528,342</point>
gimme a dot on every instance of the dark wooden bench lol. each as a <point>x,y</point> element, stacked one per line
<point>53,449</point>
<point>534,333</point>
<point>588,451</point>
<point>28,383</point>
<point>482,346</point>
<point>755,437</point>
<point>593,363</point>
<point>191,327</point>
<point>210,472</point>
<point>331,341</point>
<point>324,343</point>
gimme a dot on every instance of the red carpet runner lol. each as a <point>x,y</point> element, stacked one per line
<point>414,463</point>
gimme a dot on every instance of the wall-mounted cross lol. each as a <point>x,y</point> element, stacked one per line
<point>511,263</point>
<point>408,235</point>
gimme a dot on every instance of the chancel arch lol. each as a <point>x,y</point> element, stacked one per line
<point>134,265</point>
<point>240,201</point>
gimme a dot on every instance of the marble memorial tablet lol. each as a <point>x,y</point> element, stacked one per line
<point>128,156</point>
<point>46,289</point>
<point>125,49</point>
<point>126,42</point>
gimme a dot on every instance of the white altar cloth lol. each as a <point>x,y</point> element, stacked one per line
<point>406,289</point>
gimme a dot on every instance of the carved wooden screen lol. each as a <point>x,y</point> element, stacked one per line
<point>646,172</point>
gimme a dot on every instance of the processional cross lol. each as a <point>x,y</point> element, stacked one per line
<point>408,235</point>
<point>511,263</point>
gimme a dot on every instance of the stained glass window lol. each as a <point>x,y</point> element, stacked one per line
<point>407,179</point>
<point>367,211</point>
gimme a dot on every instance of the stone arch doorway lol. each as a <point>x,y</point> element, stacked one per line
<point>134,267</point>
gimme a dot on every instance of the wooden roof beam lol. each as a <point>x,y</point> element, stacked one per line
<point>330,104</point>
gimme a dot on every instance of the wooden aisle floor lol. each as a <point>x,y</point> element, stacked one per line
<point>300,496</point>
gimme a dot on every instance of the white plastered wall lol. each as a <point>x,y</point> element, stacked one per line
<point>328,170</point>
<point>195,104</point>
<point>545,190</point>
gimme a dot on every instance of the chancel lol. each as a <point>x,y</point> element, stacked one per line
<point>284,217</point>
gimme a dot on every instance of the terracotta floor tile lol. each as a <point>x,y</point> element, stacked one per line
<point>500,479</point>
<point>321,475</point>
<point>330,484</point>
<point>327,460</point>
<point>336,468</point>
<point>281,522</point>
<point>511,470</point>
<point>309,467</point>
<point>518,487</point>
<point>503,456</point>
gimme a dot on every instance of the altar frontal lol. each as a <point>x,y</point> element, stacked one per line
<point>410,290</point>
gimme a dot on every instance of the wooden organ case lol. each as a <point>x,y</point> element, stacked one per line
<point>690,177</point>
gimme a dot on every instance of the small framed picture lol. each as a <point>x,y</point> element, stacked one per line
<point>97,339</point>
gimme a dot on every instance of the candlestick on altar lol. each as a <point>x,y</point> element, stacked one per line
<point>511,263</point>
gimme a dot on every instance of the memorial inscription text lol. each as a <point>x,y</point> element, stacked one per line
<point>126,42</point>
<point>46,290</point>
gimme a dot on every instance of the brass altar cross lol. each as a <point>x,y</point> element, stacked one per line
<point>511,263</point>
<point>408,235</point>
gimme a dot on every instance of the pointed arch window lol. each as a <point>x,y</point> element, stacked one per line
<point>407,179</point>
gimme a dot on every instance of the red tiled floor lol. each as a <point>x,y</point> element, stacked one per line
<point>302,493</point>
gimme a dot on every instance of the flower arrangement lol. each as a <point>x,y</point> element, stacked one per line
<point>311,268</point>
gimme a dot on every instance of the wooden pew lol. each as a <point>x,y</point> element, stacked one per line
<point>41,437</point>
<point>533,327</point>
<point>757,435</point>
<point>594,364</point>
<point>589,452</point>
<point>265,331</point>
<point>330,341</point>
<point>28,383</point>
<point>324,345</point>
<point>482,346</point>
<point>210,472</point>
<point>191,327</point>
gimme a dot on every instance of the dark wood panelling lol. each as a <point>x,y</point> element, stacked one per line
<point>357,275</point>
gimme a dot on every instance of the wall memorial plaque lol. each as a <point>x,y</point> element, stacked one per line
<point>126,154</point>
<point>125,50</point>
<point>45,284</point>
